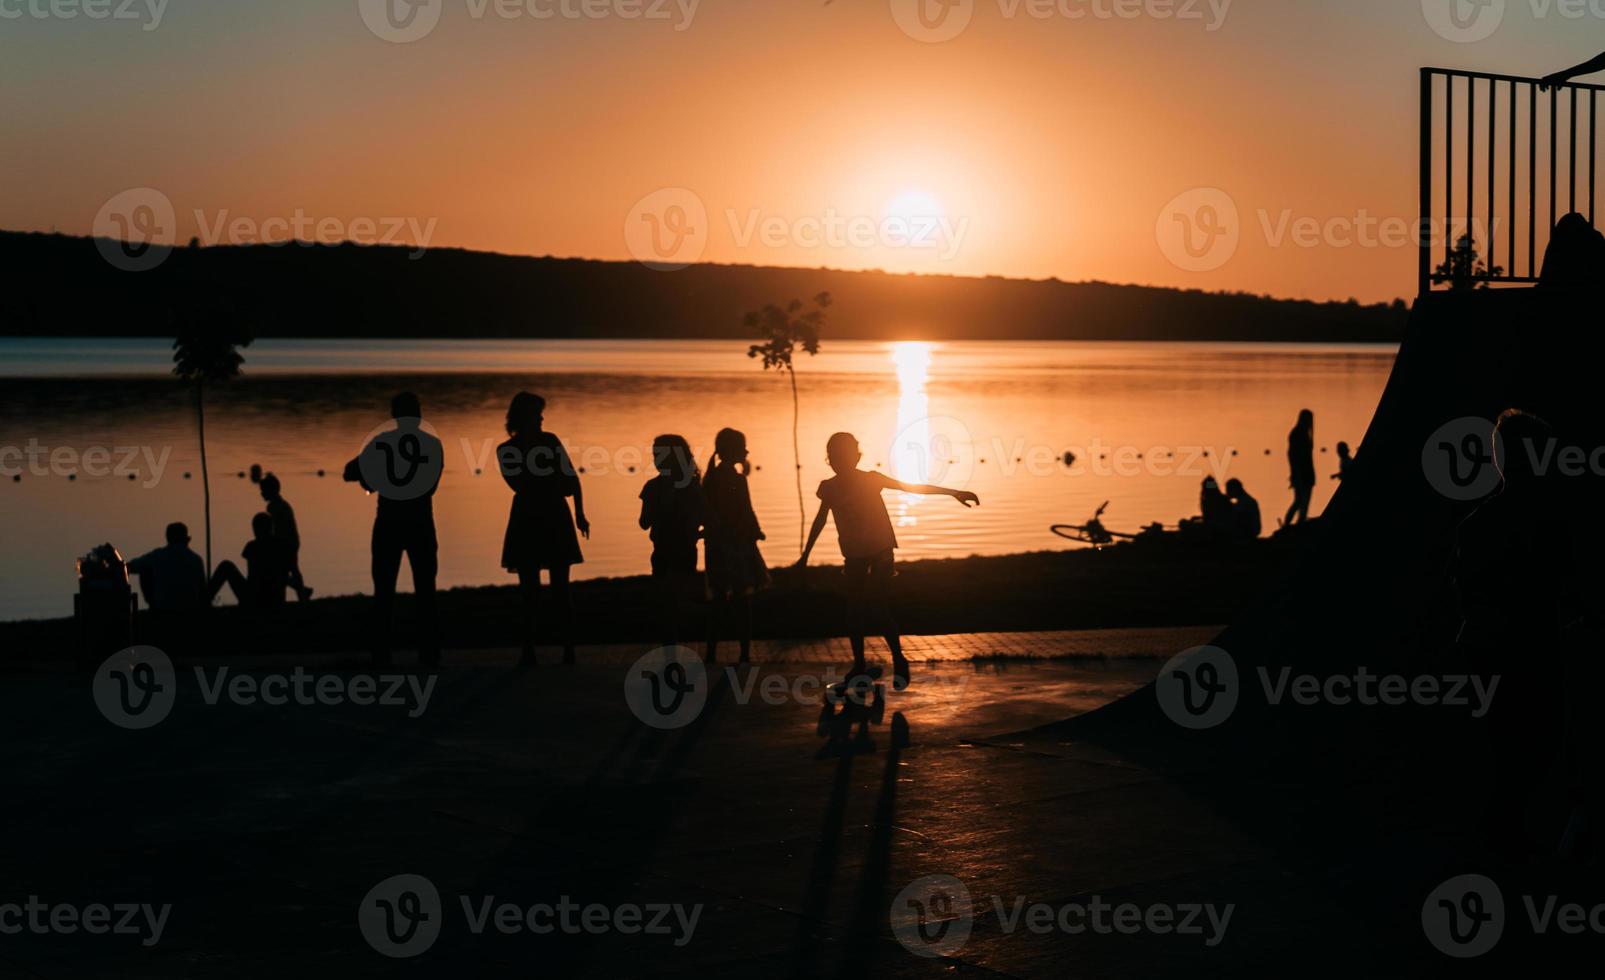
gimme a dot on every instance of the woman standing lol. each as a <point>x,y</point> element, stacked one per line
<point>1301,464</point>
<point>540,529</point>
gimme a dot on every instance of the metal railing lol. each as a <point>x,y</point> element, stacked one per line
<point>1503,242</point>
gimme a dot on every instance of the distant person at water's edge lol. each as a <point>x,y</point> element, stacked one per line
<point>1301,467</point>
<point>867,540</point>
<point>540,528</point>
<point>403,465</point>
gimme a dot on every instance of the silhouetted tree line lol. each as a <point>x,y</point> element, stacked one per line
<point>61,285</point>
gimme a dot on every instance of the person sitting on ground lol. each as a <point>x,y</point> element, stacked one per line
<point>1245,511</point>
<point>267,571</point>
<point>868,542</point>
<point>285,530</point>
<point>1215,506</point>
<point>172,578</point>
<point>1345,457</point>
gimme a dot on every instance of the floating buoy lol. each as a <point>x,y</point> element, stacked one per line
<point>478,472</point>
<point>130,476</point>
<point>186,476</point>
<point>16,478</point>
<point>242,476</point>
<point>582,469</point>
<point>320,474</point>
<point>71,477</point>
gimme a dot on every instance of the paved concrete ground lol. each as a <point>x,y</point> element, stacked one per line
<point>266,827</point>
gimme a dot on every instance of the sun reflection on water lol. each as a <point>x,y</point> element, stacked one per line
<point>911,442</point>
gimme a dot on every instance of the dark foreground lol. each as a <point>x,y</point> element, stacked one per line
<point>265,827</point>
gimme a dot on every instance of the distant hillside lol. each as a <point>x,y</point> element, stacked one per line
<point>61,285</point>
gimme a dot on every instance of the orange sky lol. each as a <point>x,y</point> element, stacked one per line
<point>1046,138</point>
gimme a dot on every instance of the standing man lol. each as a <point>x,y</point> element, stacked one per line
<point>403,466</point>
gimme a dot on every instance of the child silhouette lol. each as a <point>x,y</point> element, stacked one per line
<point>673,511</point>
<point>284,528</point>
<point>868,543</point>
<point>735,566</point>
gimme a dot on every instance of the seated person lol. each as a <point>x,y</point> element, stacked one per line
<point>172,578</point>
<point>1216,508</point>
<point>1245,511</point>
<point>267,569</point>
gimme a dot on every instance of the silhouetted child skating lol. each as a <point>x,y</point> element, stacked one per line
<point>868,542</point>
<point>674,511</point>
<point>735,567</point>
<point>284,528</point>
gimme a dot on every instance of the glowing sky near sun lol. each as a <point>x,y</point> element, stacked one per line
<point>1040,139</point>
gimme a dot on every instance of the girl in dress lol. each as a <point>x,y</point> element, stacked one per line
<point>736,568</point>
<point>540,529</point>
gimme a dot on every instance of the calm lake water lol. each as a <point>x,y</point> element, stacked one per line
<point>995,418</point>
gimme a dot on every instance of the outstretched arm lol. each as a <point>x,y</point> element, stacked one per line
<point>814,532</point>
<point>964,497</point>
<point>1562,77</point>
